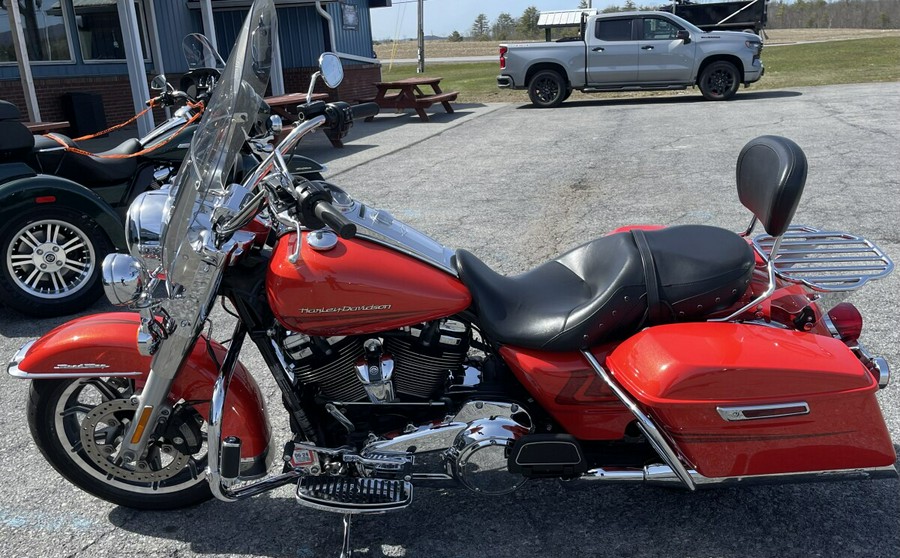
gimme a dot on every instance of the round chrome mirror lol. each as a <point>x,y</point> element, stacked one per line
<point>123,279</point>
<point>331,69</point>
<point>159,83</point>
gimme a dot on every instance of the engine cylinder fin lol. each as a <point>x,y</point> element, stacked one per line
<point>335,374</point>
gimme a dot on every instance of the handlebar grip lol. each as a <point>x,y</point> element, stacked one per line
<point>335,219</point>
<point>365,110</point>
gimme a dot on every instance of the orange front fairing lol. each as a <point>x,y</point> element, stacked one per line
<point>106,345</point>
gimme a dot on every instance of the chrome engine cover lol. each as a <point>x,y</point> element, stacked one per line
<point>471,448</point>
<point>480,454</point>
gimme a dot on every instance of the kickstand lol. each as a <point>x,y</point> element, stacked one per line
<point>346,551</point>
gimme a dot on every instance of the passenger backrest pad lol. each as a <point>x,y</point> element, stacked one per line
<point>771,173</point>
<point>16,142</point>
<point>9,111</point>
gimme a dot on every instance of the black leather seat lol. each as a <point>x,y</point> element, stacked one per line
<point>89,171</point>
<point>598,291</point>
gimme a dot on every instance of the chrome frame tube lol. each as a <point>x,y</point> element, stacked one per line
<point>663,475</point>
<point>654,435</point>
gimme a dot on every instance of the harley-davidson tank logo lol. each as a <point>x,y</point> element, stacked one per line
<point>83,366</point>
<point>342,309</point>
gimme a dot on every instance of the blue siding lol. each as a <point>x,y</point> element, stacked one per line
<point>359,40</point>
<point>301,32</point>
<point>175,21</point>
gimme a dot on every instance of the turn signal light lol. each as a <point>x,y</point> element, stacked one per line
<point>503,51</point>
<point>847,320</point>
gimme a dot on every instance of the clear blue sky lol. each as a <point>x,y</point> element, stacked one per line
<point>442,17</point>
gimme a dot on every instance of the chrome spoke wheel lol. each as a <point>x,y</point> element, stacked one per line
<point>50,259</point>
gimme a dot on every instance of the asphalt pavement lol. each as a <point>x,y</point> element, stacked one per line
<point>516,186</point>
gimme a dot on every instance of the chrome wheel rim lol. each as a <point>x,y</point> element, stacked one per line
<point>90,418</point>
<point>50,259</point>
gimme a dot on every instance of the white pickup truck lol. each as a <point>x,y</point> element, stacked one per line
<point>633,51</point>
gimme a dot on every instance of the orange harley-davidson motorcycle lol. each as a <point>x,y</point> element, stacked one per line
<point>686,356</point>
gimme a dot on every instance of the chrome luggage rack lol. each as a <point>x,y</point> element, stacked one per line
<point>825,261</point>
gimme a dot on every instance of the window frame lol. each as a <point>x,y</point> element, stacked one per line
<point>646,18</point>
<point>148,58</point>
<point>65,17</point>
<point>631,19</point>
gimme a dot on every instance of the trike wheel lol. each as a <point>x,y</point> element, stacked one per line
<point>51,262</point>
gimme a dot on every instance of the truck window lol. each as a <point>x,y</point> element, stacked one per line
<point>658,29</point>
<point>613,30</point>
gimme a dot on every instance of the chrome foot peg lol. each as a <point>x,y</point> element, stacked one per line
<point>354,495</point>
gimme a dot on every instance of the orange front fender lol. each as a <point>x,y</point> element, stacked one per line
<point>105,345</point>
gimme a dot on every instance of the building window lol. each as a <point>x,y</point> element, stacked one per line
<point>99,31</point>
<point>44,28</point>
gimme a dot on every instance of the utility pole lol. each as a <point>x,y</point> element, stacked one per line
<point>421,68</point>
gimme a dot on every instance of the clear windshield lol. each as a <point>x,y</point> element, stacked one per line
<point>199,53</point>
<point>231,111</point>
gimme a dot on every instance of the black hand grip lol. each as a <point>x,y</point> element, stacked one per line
<point>365,110</point>
<point>335,219</point>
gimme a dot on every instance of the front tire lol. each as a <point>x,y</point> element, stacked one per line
<point>78,425</point>
<point>547,89</point>
<point>719,81</point>
<point>51,262</point>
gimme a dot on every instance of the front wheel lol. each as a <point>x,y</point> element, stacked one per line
<point>51,262</point>
<point>78,425</point>
<point>547,89</point>
<point>719,81</point>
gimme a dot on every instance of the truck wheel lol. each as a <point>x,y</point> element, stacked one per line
<point>547,89</point>
<point>51,262</point>
<point>719,81</point>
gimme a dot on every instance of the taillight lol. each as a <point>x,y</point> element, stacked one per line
<point>847,321</point>
<point>503,51</point>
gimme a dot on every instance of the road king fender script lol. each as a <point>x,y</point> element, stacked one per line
<point>104,345</point>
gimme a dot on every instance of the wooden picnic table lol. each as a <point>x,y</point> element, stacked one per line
<point>410,95</point>
<point>285,106</point>
<point>41,127</point>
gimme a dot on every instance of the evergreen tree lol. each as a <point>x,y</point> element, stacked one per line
<point>480,28</point>
<point>504,28</point>
<point>527,27</point>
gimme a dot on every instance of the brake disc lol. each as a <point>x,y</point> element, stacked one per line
<point>101,432</point>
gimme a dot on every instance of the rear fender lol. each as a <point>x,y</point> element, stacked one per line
<point>105,345</point>
<point>48,191</point>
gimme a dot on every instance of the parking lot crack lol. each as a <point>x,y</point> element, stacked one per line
<point>112,529</point>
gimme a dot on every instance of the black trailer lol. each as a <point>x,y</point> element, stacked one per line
<point>729,16</point>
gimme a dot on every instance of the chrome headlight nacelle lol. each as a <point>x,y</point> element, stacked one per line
<point>124,279</point>
<point>143,225</point>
